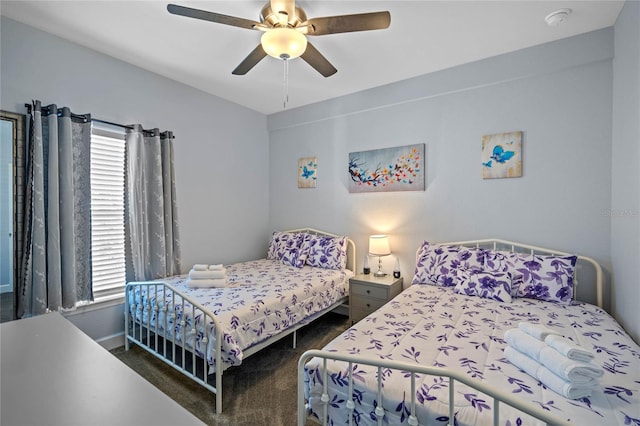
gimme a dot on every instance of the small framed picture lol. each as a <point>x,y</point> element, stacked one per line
<point>502,155</point>
<point>307,172</point>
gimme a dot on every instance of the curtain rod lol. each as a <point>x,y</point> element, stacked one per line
<point>125,126</point>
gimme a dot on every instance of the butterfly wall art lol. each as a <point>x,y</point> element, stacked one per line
<point>388,169</point>
<point>502,155</point>
<point>307,172</point>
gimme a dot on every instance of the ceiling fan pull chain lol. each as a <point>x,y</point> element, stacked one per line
<point>286,83</point>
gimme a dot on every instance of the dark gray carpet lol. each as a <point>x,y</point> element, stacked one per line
<point>261,391</point>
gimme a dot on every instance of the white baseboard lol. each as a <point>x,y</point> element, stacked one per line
<point>112,342</point>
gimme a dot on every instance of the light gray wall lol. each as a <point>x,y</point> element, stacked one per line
<point>625,197</point>
<point>558,94</point>
<point>220,147</point>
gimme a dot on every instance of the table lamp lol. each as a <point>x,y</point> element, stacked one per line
<point>379,246</point>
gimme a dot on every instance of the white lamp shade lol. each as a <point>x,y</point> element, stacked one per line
<point>379,245</point>
<point>283,43</point>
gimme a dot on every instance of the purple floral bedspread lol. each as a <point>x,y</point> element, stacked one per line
<point>434,326</point>
<point>262,298</point>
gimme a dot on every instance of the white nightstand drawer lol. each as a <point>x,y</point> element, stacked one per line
<point>367,293</point>
<point>367,303</point>
<point>369,290</point>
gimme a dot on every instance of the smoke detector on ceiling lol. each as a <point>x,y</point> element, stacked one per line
<point>558,17</point>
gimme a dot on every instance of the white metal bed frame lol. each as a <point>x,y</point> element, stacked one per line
<point>495,393</point>
<point>145,335</point>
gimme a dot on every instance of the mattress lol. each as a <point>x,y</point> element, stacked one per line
<point>263,298</point>
<point>433,326</point>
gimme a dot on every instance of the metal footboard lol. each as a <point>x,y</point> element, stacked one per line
<point>153,327</point>
<point>453,376</point>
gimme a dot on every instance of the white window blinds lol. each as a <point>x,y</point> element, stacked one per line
<point>107,214</point>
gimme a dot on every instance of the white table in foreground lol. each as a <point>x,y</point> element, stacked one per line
<point>53,374</point>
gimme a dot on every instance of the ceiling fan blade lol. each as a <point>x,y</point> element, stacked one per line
<point>314,58</point>
<point>212,16</point>
<point>250,61</point>
<point>349,23</point>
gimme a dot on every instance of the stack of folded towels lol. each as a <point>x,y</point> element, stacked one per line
<point>558,363</point>
<point>204,276</point>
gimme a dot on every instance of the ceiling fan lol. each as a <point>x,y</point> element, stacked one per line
<point>285,28</point>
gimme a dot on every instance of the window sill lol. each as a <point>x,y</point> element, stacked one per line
<point>102,303</point>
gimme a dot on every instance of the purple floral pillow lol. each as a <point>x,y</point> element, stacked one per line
<point>295,254</point>
<point>472,260</point>
<point>547,278</point>
<point>502,261</point>
<point>499,261</point>
<point>439,264</point>
<point>282,242</point>
<point>422,249</point>
<point>496,286</point>
<point>327,252</point>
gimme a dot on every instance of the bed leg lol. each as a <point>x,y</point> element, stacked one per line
<point>295,334</point>
<point>126,324</point>
<point>218,392</point>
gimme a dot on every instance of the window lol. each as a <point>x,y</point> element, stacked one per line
<point>107,213</point>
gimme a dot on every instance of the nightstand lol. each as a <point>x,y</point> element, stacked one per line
<point>367,293</point>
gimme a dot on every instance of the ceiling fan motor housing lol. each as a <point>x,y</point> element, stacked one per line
<point>271,18</point>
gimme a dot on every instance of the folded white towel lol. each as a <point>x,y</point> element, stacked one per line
<point>524,343</point>
<point>548,378</point>
<point>523,362</point>
<point>216,267</point>
<point>207,275</point>
<point>540,332</point>
<point>200,267</point>
<point>217,282</point>
<point>567,389</point>
<point>569,349</point>
<point>568,369</point>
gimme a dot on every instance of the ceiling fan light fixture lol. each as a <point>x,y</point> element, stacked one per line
<point>283,43</point>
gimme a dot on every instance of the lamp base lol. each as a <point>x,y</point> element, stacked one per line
<point>379,272</point>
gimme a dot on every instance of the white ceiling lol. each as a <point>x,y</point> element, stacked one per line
<point>424,36</point>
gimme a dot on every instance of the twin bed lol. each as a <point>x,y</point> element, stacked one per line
<point>432,354</point>
<point>435,352</point>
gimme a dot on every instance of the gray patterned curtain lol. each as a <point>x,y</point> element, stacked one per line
<point>56,263</point>
<point>151,216</point>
